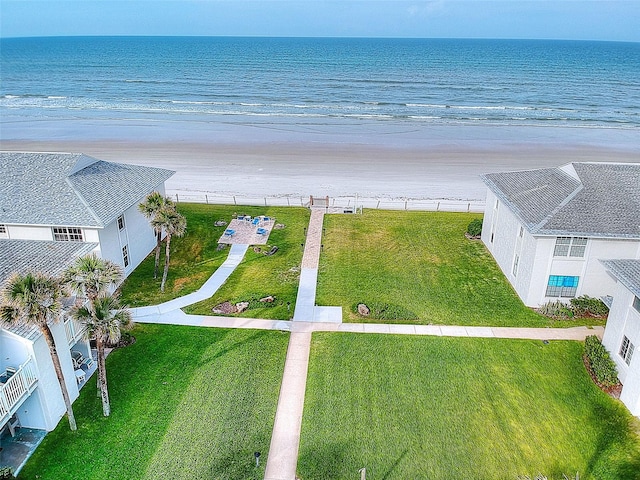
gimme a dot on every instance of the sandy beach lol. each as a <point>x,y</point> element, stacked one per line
<point>371,161</point>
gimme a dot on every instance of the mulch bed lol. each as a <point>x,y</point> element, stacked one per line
<point>613,391</point>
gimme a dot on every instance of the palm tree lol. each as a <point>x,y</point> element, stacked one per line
<point>174,224</point>
<point>35,299</point>
<point>154,203</point>
<point>104,322</point>
<point>91,275</point>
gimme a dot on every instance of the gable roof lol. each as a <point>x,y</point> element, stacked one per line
<point>581,199</point>
<point>626,272</point>
<point>70,189</point>
<point>21,256</point>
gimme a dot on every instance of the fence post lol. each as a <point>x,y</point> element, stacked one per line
<point>405,204</point>
<point>265,201</point>
<point>468,207</point>
<point>206,198</point>
<point>378,205</point>
<point>234,200</point>
<point>288,203</point>
<point>177,199</point>
<point>438,207</point>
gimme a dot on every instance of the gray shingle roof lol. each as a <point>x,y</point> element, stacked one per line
<point>45,189</point>
<point>603,201</point>
<point>627,272</point>
<point>48,257</point>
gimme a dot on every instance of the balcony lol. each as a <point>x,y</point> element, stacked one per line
<point>74,331</point>
<point>15,389</point>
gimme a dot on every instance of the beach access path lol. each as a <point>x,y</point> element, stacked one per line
<point>282,457</point>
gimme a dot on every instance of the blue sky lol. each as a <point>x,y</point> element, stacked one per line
<point>551,19</point>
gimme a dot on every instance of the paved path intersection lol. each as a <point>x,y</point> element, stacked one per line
<point>308,318</point>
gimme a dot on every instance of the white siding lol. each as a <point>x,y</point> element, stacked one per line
<point>536,261</point>
<point>624,320</point>
<point>29,232</point>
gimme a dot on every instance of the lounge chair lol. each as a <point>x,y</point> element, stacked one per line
<point>229,232</point>
<point>261,231</point>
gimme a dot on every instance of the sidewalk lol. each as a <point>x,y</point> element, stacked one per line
<point>165,312</point>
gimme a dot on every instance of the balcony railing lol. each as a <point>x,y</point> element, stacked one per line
<point>16,388</point>
<point>74,331</point>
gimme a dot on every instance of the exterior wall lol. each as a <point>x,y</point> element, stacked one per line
<point>505,227</point>
<point>536,261</point>
<point>45,407</point>
<point>39,232</point>
<point>624,320</point>
<point>48,386</point>
<point>137,235</point>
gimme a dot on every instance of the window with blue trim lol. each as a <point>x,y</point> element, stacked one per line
<point>562,286</point>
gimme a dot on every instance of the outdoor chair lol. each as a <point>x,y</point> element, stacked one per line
<point>229,232</point>
<point>255,221</point>
<point>261,231</point>
<point>77,359</point>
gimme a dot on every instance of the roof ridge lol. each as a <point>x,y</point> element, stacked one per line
<point>567,199</point>
<point>82,199</point>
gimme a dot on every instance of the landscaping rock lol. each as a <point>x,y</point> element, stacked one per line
<point>268,299</point>
<point>363,310</point>
<point>242,306</point>
<point>220,223</point>
<point>224,308</point>
<point>279,226</point>
<point>257,249</point>
<point>221,246</point>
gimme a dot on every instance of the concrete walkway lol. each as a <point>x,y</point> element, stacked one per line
<point>285,438</point>
<point>282,458</point>
<point>168,311</point>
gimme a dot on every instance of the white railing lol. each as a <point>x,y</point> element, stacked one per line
<point>74,330</point>
<point>16,389</point>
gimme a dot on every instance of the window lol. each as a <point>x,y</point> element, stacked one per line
<point>562,286</point>
<point>125,256</point>
<point>636,304</point>
<point>3,231</point>
<point>121,224</point>
<point>570,246</point>
<point>626,350</point>
<point>516,259</point>
<point>67,234</point>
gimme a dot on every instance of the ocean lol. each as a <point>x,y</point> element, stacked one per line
<point>313,81</point>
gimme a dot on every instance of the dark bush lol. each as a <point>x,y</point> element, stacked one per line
<point>601,364</point>
<point>475,227</point>
<point>586,305</point>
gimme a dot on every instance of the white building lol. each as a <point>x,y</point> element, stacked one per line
<point>622,333</point>
<point>68,197</point>
<point>29,389</point>
<point>548,228</point>
<point>54,208</point>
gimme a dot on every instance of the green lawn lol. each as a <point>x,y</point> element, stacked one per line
<point>259,276</point>
<point>195,257</point>
<point>442,408</point>
<point>417,267</point>
<point>187,403</point>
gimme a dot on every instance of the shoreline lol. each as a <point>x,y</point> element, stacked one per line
<point>368,159</point>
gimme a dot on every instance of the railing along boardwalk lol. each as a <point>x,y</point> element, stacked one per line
<point>16,389</point>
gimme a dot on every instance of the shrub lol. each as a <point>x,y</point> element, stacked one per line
<point>586,305</point>
<point>475,227</point>
<point>6,473</point>
<point>603,368</point>
<point>556,309</point>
